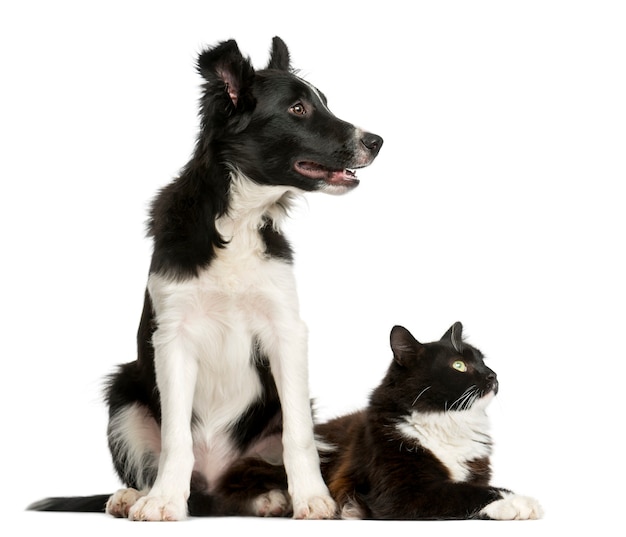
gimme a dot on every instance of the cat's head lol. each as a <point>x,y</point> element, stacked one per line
<point>445,375</point>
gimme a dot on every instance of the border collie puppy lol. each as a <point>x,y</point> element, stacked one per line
<point>221,371</point>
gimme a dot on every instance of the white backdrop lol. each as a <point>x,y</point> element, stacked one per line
<point>496,200</point>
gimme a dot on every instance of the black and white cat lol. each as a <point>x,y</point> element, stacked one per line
<point>420,450</point>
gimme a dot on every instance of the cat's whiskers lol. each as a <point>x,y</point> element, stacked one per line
<point>420,394</point>
<point>465,401</point>
<point>470,402</point>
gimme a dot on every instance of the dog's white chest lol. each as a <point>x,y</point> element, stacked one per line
<point>217,322</point>
<point>220,314</point>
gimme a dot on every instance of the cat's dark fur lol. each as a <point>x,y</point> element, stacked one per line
<point>420,450</point>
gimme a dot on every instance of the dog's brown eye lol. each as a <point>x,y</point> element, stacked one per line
<point>298,109</point>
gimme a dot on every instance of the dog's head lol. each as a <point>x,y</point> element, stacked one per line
<point>274,126</point>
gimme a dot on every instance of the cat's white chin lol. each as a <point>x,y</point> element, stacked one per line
<point>484,401</point>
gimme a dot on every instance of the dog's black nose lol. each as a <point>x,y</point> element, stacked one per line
<point>373,142</point>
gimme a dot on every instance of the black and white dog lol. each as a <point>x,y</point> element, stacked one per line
<point>221,371</point>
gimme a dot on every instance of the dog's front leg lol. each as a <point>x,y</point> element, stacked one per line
<point>309,494</point>
<point>176,372</point>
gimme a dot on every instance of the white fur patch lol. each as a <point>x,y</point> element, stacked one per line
<point>159,507</point>
<point>351,511</point>
<point>135,432</point>
<point>325,449</point>
<point>121,502</point>
<point>513,507</point>
<point>272,503</point>
<point>454,437</point>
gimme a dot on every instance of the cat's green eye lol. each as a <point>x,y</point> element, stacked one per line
<point>459,365</point>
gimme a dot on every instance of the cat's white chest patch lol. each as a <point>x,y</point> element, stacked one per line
<point>455,438</point>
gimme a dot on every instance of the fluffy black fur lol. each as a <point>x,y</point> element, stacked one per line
<point>384,474</point>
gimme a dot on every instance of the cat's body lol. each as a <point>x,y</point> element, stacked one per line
<point>420,450</point>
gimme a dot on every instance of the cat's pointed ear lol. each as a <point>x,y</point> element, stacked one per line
<point>224,64</point>
<point>404,346</point>
<point>454,335</point>
<point>279,55</point>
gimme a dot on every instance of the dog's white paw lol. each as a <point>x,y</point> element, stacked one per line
<point>272,503</point>
<point>315,507</point>
<point>158,508</point>
<point>513,507</point>
<point>120,503</point>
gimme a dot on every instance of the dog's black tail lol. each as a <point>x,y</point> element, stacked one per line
<point>199,505</point>
<point>74,504</point>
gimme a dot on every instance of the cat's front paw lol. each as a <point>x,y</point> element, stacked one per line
<point>513,507</point>
<point>158,508</point>
<point>272,503</point>
<point>120,503</point>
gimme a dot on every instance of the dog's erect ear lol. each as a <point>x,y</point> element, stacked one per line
<point>224,64</point>
<point>279,55</point>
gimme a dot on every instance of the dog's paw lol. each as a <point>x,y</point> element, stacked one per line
<point>272,503</point>
<point>315,507</point>
<point>120,503</point>
<point>158,508</point>
<point>513,507</point>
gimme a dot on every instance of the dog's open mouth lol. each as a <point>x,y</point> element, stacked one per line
<point>313,170</point>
